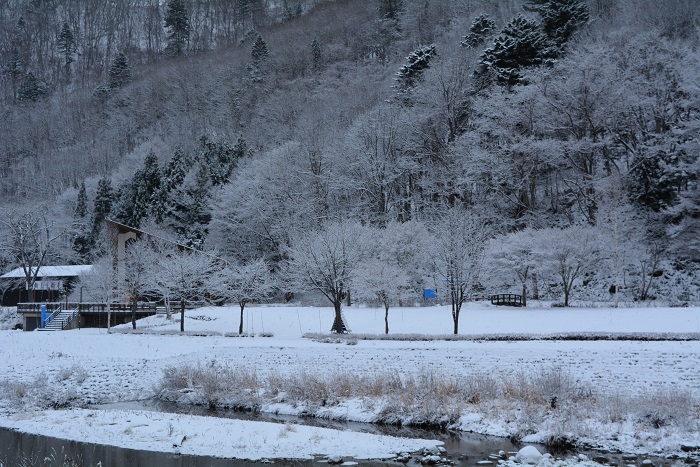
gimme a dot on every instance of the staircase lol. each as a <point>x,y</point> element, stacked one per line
<point>60,320</point>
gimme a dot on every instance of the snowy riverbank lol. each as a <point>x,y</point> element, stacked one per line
<point>87,366</point>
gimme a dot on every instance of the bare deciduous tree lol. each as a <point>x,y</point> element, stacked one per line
<point>324,260</point>
<point>136,277</point>
<point>515,252</point>
<point>458,257</point>
<point>384,282</point>
<point>28,241</point>
<point>185,274</point>
<point>567,253</point>
<point>244,283</point>
<point>100,283</point>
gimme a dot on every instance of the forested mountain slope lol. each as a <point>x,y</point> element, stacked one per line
<point>466,138</point>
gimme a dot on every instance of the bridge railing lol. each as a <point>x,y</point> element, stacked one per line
<point>507,299</point>
<point>85,307</point>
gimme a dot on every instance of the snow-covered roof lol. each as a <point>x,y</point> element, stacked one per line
<point>51,271</point>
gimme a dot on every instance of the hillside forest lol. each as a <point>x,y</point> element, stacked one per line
<point>374,148</point>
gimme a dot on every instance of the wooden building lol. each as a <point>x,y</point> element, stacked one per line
<point>52,284</point>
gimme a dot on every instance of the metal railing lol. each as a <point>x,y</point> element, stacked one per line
<point>85,307</point>
<point>55,313</point>
<point>68,323</point>
<point>507,299</point>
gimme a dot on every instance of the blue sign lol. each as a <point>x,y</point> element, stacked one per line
<point>429,293</point>
<point>44,315</point>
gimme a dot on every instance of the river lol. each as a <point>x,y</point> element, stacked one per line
<point>25,450</point>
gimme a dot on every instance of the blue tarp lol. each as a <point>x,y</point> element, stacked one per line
<point>44,315</point>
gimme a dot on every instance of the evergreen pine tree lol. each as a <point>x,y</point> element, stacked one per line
<point>560,18</point>
<point>174,173</point>
<point>391,9</point>
<point>316,56</point>
<point>288,13</point>
<point>409,75</point>
<point>652,182</point>
<point>101,93</point>
<point>147,186</point>
<point>259,53</point>
<point>66,45</point>
<point>81,205</point>
<point>119,72</point>
<point>123,208</point>
<point>520,45</point>
<point>13,70</point>
<point>189,213</point>
<point>30,89</point>
<point>135,198</point>
<point>81,230</point>
<point>220,159</point>
<point>259,50</point>
<point>241,150</point>
<point>104,198</point>
<point>482,27</point>
<point>177,20</point>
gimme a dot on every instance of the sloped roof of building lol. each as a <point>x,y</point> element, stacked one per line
<point>51,271</point>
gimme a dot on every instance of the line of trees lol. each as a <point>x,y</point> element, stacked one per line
<point>459,256</point>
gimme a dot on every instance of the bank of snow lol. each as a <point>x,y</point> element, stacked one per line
<point>209,436</point>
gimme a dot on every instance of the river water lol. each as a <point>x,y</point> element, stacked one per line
<point>25,450</point>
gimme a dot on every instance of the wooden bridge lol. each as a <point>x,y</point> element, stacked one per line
<point>507,299</point>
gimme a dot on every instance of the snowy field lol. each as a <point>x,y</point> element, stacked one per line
<point>91,366</point>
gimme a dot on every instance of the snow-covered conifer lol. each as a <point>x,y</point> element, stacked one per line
<point>482,28</point>
<point>189,211</point>
<point>410,74</point>
<point>259,50</point>
<point>520,45</point>
<point>119,71</point>
<point>31,89</point>
<point>104,198</point>
<point>560,18</point>
<point>178,23</point>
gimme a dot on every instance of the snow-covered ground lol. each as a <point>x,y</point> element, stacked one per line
<point>90,366</point>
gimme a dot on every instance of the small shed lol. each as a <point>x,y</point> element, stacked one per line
<point>51,284</point>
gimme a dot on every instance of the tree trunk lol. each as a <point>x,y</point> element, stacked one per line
<point>524,294</point>
<point>386,318</point>
<point>133,314</point>
<point>566,296</point>
<point>182,315</point>
<point>240,325</point>
<point>109,317</point>
<point>535,288</point>
<point>338,322</point>
<point>455,296</point>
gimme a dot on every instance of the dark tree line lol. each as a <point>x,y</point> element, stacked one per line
<point>46,46</point>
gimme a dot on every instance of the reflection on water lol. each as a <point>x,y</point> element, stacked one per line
<point>20,450</point>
